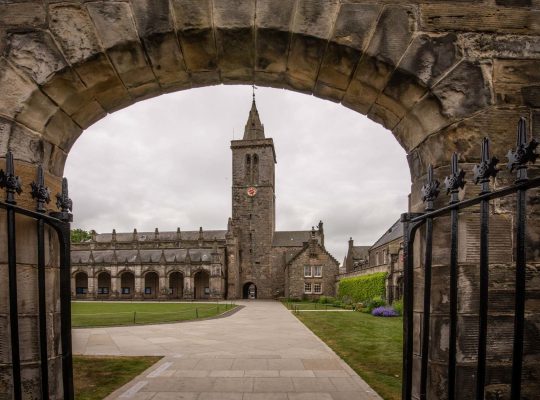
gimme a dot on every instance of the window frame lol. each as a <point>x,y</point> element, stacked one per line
<point>319,284</point>
<point>315,267</point>
<point>306,291</point>
<point>310,271</point>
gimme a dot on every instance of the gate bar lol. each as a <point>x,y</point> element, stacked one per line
<point>524,153</point>
<point>430,191</point>
<point>453,183</point>
<point>42,311</point>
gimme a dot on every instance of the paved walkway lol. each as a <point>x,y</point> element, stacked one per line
<point>262,352</point>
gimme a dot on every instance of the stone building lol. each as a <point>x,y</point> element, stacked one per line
<point>248,259</point>
<point>385,255</point>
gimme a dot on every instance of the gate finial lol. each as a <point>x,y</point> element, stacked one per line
<point>63,202</point>
<point>430,190</point>
<point>455,180</point>
<point>9,180</point>
<point>487,168</point>
<point>40,191</point>
<point>525,152</point>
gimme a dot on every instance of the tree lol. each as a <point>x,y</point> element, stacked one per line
<point>78,235</point>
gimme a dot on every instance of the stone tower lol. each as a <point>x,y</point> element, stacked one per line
<point>253,205</point>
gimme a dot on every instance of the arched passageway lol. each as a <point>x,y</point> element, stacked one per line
<point>249,291</point>
<point>127,284</point>
<point>81,284</point>
<point>439,76</point>
<point>151,285</point>
<point>176,285</point>
<point>103,285</point>
<point>202,285</point>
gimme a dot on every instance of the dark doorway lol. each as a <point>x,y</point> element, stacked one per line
<point>176,285</point>
<point>249,291</point>
<point>81,284</point>
<point>202,285</point>
<point>127,285</point>
<point>151,285</point>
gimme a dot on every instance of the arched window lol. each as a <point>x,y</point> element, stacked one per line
<point>248,168</point>
<point>255,168</point>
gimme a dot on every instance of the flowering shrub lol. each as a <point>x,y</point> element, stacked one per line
<point>384,312</point>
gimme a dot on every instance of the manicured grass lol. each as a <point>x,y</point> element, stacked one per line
<point>308,305</point>
<point>372,346</point>
<point>90,314</point>
<point>97,377</point>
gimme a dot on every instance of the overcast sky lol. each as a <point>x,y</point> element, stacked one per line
<point>166,162</point>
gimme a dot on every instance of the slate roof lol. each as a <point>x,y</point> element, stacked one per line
<point>293,238</point>
<point>306,248</point>
<point>395,232</point>
<point>360,252</point>
<point>146,256</point>
<point>143,236</point>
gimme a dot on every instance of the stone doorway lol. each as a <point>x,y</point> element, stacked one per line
<point>103,290</point>
<point>249,291</point>
<point>176,285</point>
<point>202,285</point>
<point>81,285</point>
<point>151,285</point>
<point>127,285</point>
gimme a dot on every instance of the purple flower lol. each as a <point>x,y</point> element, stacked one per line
<point>384,311</point>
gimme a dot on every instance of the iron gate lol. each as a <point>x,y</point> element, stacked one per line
<point>60,223</point>
<point>518,160</point>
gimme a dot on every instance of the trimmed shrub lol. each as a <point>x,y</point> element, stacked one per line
<point>384,312</point>
<point>398,306</point>
<point>373,303</point>
<point>326,300</point>
<point>363,288</point>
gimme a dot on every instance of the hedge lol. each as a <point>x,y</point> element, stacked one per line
<point>363,288</point>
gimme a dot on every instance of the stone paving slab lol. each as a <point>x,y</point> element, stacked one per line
<point>262,352</point>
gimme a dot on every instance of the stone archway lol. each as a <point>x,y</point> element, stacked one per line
<point>81,284</point>
<point>176,285</point>
<point>127,285</point>
<point>201,285</point>
<point>438,75</point>
<point>151,285</point>
<point>103,285</point>
<point>249,291</point>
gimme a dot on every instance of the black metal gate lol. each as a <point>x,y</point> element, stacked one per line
<point>60,223</point>
<point>518,160</point>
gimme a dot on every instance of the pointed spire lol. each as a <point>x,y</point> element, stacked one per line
<point>135,235</point>
<point>178,234</point>
<point>254,128</point>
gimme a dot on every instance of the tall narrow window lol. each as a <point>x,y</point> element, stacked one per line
<point>255,168</point>
<point>248,168</point>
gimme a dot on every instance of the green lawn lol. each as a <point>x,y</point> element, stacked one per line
<point>308,305</point>
<point>89,314</point>
<point>372,346</point>
<point>96,377</point>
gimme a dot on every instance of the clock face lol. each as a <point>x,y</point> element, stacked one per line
<point>251,191</point>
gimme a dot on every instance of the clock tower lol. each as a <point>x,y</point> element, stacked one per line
<point>253,208</point>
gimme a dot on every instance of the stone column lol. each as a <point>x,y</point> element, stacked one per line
<point>139,287</point>
<point>189,284</point>
<point>92,286</point>
<point>163,289</point>
<point>115,287</point>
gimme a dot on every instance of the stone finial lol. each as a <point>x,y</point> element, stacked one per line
<point>321,227</point>
<point>215,246</point>
<point>93,234</point>
<point>178,234</point>
<point>91,258</point>
<point>188,257</point>
<point>201,236</point>
<point>162,259</point>
<point>113,237</point>
<point>351,242</point>
<point>156,234</point>
<point>135,235</point>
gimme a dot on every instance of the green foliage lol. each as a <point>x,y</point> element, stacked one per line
<point>326,300</point>
<point>78,235</point>
<point>398,306</point>
<point>362,288</point>
<point>372,304</point>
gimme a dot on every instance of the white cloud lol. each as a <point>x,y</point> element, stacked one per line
<point>166,162</point>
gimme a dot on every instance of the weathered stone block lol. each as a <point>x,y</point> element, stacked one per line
<point>152,17</point>
<point>15,89</point>
<point>37,110</point>
<point>471,17</point>
<point>74,30</point>
<point>338,66</point>
<point>27,282</point>
<point>62,131</point>
<point>235,52</point>
<point>429,57</point>
<point>88,114</point>
<point>274,15</point>
<point>68,91</point>
<point>192,14</point>
<point>516,71</point>
<point>464,90</point>
<point>36,54</point>
<point>112,95</point>
<point>354,23</point>
<point>114,22</point>
<point>315,18</point>
<point>199,49</point>
<point>22,14</point>
<point>233,14</point>
<point>96,71</point>
<point>272,50</point>
<point>305,56</point>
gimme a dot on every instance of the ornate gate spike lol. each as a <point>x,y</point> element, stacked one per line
<point>430,191</point>
<point>455,180</point>
<point>524,153</point>
<point>40,191</point>
<point>63,202</point>
<point>9,181</point>
<point>487,168</point>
